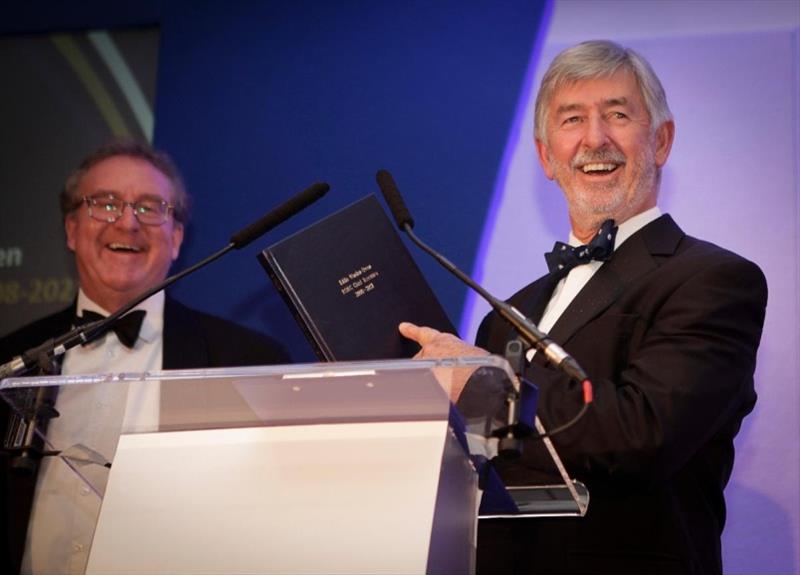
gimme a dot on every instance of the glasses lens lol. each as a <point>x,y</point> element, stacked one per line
<point>150,211</point>
<point>105,208</point>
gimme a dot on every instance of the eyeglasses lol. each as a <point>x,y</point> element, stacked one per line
<point>109,208</point>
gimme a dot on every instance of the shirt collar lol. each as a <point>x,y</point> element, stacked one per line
<point>153,324</point>
<point>627,228</point>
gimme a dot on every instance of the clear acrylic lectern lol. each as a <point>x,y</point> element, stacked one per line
<point>320,468</point>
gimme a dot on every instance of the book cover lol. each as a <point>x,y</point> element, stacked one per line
<point>349,281</point>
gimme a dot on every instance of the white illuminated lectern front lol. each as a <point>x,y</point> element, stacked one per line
<point>322,468</point>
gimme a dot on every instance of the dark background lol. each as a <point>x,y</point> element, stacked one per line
<point>255,100</point>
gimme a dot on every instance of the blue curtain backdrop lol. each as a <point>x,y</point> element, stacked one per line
<point>256,100</point>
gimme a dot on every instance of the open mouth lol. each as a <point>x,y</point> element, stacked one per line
<point>599,168</point>
<point>124,248</point>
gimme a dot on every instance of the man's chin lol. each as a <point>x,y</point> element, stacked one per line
<point>127,288</point>
<point>596,206</point>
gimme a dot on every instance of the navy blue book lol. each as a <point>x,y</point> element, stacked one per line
<point>349,281</point>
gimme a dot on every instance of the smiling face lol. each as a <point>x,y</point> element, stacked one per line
<point>601,150</point>
<point>117,261</point>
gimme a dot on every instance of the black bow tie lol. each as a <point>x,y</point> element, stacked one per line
<point>127,327</point>
<point>565,257</point>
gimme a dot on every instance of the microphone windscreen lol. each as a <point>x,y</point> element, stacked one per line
<point>393,198</point>
<point>280,214</point>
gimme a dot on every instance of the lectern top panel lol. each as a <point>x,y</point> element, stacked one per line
<point>396,390</point>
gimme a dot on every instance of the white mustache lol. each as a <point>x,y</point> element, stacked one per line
<point>598,157</point>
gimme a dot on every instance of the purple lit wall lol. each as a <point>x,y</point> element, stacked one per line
<point>731,74</point>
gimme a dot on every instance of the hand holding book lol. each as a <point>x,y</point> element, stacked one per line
<point>435,344</point>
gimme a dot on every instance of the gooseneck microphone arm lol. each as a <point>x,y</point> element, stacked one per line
<point>48,351</point>
<point>42,355</point>
<point>42,405</point>
<point>526,328</point>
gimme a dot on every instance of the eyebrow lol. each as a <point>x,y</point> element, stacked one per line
<point>611,102</point>
<point>116,194</point>
<point>608,103</point>
<point>564,108</point>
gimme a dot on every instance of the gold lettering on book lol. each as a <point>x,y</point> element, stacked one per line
<point>359,282</point>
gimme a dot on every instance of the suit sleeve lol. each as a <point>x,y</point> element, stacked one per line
<point>669,379</point>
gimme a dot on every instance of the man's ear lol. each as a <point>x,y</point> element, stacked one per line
<point>177,239</point>
<point>665,135</point>
<point>544,158</point>
<point>71,230</point>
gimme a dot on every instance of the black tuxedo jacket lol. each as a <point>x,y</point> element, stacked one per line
<point>191,340</point>
<point>667,332</point>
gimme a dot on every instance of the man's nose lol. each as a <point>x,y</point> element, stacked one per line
<point>596,135</point>
<point>128,217</point>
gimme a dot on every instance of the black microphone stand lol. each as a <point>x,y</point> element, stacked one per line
<point>526,329</point>
<point>21,438</point>
<point>21,434</point>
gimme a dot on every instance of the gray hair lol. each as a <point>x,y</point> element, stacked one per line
<point>600,59</point>
<point>134,149</point>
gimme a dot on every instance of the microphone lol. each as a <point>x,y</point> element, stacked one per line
<point>394,200</point>
<point>45,355</point>
<point>52,349</point>
<point>279,215</point>
<point>526,328</point>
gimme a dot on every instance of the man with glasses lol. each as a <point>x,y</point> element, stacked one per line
<point>124,212</point>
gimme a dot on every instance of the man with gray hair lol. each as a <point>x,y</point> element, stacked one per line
<point>666,326</point>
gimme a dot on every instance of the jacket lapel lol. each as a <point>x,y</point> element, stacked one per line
<point>184,346</point>
<point>635,258</point>
<point>536,298</point>
<point>62,323</point>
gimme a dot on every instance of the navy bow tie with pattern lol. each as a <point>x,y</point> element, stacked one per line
<point>565,257</point>
<point>127,327</point>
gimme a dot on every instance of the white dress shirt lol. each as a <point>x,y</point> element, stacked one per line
<point>69,488</point>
